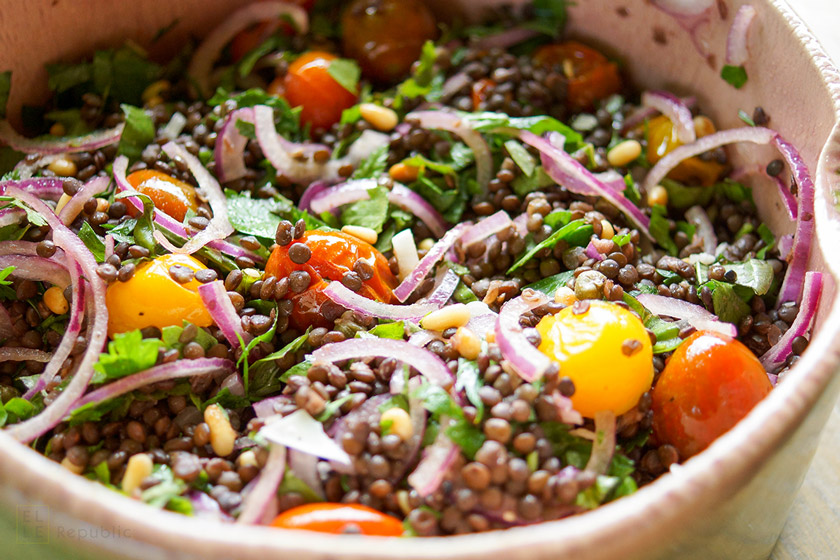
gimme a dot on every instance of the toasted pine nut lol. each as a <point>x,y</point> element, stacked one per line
<point>138,468</point>
<point>466,343</point>
<point>55,301</point>
<point>400,422</point>
<point>607,231</point>
<point>426,244</point>
<point>247,459</point>
<point>658,195</point>
<point>63,167</point>
<point>404,173</point>
<point>359,232</point>
<point>703,126</point>
<point>565,295</point>
<point>65,198</point>
<point>70,466</point>
<point>450,316</point>
<point>222,435</point>
<point>382,118</point>
<point>625,153</point>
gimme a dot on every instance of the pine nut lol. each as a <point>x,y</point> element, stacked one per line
<point>359,232</point>
<point>658,195</point>
<point>65,198</point>
<point>400,422</point>
<point>450,316</point>
<point>222,435</point>
<point>466,343</point>
<point>403,173</point>
<point>382,118</point>
<point>63,167</point>
<point>426,244</point>
<point>138,468</point>
<point>102,205</point>
<point>55,301</point>
<point>625,153</point>
<point>247,459</point>
<point>565,295</point>
<point>703,126</point>
<point>607,230</point>
<point>70,466</point>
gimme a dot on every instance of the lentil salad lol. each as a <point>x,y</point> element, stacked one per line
<point>380,302</point>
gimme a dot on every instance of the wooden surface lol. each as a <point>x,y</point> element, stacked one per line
<point>812,531</point>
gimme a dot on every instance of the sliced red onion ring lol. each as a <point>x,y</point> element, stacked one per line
<point>506,39</point>
<point>639,116</point>
<point>691,15</point>
<point>208,52</point>
<point>300,431</point>
<point>491,225</point>
<point>417,413</point>
<point>230,146</point>
<point>569,173</point>
<point>37,269</point>
<point>205,507</point>
<point>566,410</point>
<point>27,248</point>
<point>419,339</point>
<point>776,357</point>
<point>428,262</point>
<point>427,364</point>
<point>604,445</point>
<point>109,245</point>
<point>74,206</point>
<point>349,299</point>
<point>672,107</point>
<point>705,231</point>
<point>524,358</point>
<point>19,354</point>
<point>353,191</point>
<point>437,459</point>
<point>215,299</point>
<point>97,327</point>
<point>87,143</point>
<point>737,53</point>
<point>613,179</point>
<point>257,501</point>
<point>156,374</point>
<point>454,84</point>
<point>785,246</point>
<point>696,316</point>
<point>593,253</point>
<point>271,406</point>
<point>311,192</point>
<point>305,467</point>
<point>45,188</point>
<point>443,120</point>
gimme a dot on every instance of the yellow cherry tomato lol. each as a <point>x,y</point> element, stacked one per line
<point>152,298</point>
<point>662,139</point>
<point>605,350</point>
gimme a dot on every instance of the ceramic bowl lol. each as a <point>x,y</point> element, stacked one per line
<point>729,502</point>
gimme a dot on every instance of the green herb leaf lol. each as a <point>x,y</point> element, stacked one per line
<point>347,73</point>
<point>769,241</point>
<point>138,133</point>
<point>551,284</point>
<point>395,330</point>
<point>754,274</point>
<point>286,119</point>
<point>521,157</point>
<point>424,82</point>
<point>681,196</point>
<point>744,116</point>
<point>729,306</point>
<point>468,379</point>
<point>32,216</point>
<point>168,488</point>
<point>524,184</point>
<point>253,216</point>
<point>575,233</point>
<point>660,229</point>
<point>496,122</point>
<point>94,243</point>
<point>127,353</point>
<point>289,348</point>
<point>736,76</point>
<point>374,165</point>
<point>371,213</point>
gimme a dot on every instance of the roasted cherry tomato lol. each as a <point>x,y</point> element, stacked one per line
<point>662,138</point>
<point>709,383</point>
<point>152,298</point>
<point>333,254</point>
<point>591,76</point>
<point>171,196</point>
<point>386,36</point>
<point>339,519</point>
<point>605,350</point>
<point>309,85</point>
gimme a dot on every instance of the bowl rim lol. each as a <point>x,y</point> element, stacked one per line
<point>666,503</point>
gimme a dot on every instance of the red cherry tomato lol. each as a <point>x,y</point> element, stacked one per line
<point>309,85</point>
<point>333,254</point>
<point>591,76</point>
<point>386,36</point>
<point>708,385</point>
<point>171,196</point>
<point>338,519</point>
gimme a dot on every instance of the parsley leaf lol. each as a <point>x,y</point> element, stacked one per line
<point>574,233</point>
<point>660,229</point>
<point>371,213</point>
<point>374,165</point>
<point>253,216</point>
<point>729,306</point>
<point>128,353</point>
<point>424,82</point>
<point>286,119</point>
<point>138,133</point>
<point>6,292</point>
<point>346,72</point>
<point>94,243</point>
<point>735,76</point>
<point>395,330</point>
<point>551,284</point>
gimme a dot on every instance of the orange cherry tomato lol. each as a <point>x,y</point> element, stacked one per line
<point>333,254</point>
<point>591,75</point>
<point>386,36</point>
<point>170,195</point>
<point>339,519</point>
<point>709,383</point>
<point>662,139</point>
<point>309,85</point>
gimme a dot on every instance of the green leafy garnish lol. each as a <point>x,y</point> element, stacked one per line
<point>395,330</point>
<point>374,165</point>
<point>736,76</point>
<point>346,72</point>
<point>660,229</point>
<point>94,243</point>
<point>551,284</point>
<point>439,404</point>
<point>424,82</point>
<point>728,304</point>
<point>253,216</point>
<point>167,492</point>
<point>371,213</point>
<point>575,233</point>
<point>138,133</point>
<point>6,291</point>
<point>127,353</point>
<point>468,379</point>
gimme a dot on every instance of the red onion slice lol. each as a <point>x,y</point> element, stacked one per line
<point>271,406</point>
<point>214,297</point>
<point>737,53</point>
<point>230,146</point>
<point>437,459</point>
<point>785,246</point>
<point>205,507</point>
<point>698,317</point>
<point>639,116</point>
<point>428,262</point>
<point>672,107</point>
<point>454,84</point>
<point>303,433</point>
<point>45,188</point>
<point>208,52</point>
<point>491,225</point>
<point>443,120</point>
<point>87,143</point>
<point>604,445</point>
<point>74,206</point>
<point>691,15</point>
<point>705,231</point>
<point>592,252</point>
<point>256,502</point>
<point>524,358</point>
<point>506,39</point>
<point>812,290</point>
<point>427,364</point>
<point>37,269</point>
<point>311,192</point>
<point>305,467</point>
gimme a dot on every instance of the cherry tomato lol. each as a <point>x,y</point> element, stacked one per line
<point>709,383</point>
<point>662,139</point>
<point>339,519</point>
<point>591,75</point>
<point>251,38</point>
<point>386,36</point>
<point>171,196</point>
<point>309,85</point>
<point>333,254</point>
<point>481,91</point>
<point>606,351</point>
<point>152,298</point>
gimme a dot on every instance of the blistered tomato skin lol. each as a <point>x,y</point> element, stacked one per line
<point>605,350</point>
<point>339,519</point>
<point>309,85</point>
<point>171,196</point>
<point>386,36</point>
<point>590,75</point>
<point>708,385</point>
<point>333,254</point>
<point>151,298</point>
